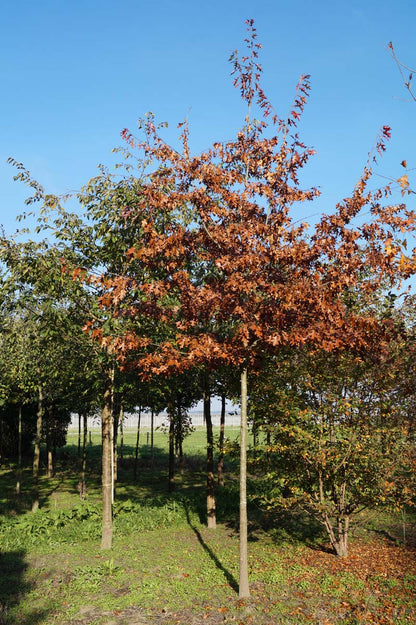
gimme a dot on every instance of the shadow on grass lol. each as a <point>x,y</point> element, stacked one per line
<point>228,576</point>
<point>12,587</point>
<point>297,527</point>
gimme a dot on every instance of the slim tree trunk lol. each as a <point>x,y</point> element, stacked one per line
<point>83,484</point>
<point>49,443</point>
<point>1,441</point>
<point>171,478</point>
<point>113,435</point>
<point>79,434</point>
<point>107,473</point>
<point>179,438</point>
<point>121,422</point>
<point>243,590</point>
<point>181,460</point>
<point>19,452</point>
<point>136,455</point>
<point>211,515</point>
<point>152,430</point>
<point>36,456</point>
<point>50,462</point>
<point>221,443</point>
<point>255,434</point>
<point>114,448</point>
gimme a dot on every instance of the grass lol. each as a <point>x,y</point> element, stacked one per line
<point>166,566</point>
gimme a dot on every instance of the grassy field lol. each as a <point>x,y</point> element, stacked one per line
<point>166,567</point>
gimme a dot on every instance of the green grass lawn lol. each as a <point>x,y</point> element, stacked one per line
<point>166,567</point>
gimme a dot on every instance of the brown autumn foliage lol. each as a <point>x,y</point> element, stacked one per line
<point>230,274</point>
<point>226,273</point>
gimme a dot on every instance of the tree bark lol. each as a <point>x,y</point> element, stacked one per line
<point>50,462</point>
<point>171,478</point>
<point>19,452</point>
<point>107,473</point>
<point>179,437</point>
<point>49,443</point>
<point>243,589</point>
<point>211,515</point>
<point>136,455</point>
<point>255,434</point>
<point>79,434</point>
<point>83,485</point>
<point>181,458</point>
<point>114,445</point>
<point>36,456</point>
<point>152,430</point>
<point>1,441</point>
<point>121,422</point>
<point>113,435</point>
<point>221,443</point>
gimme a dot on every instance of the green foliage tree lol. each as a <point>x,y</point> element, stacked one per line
<point>339,427</point>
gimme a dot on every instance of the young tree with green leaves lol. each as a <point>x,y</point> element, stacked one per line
<point>338,426</point>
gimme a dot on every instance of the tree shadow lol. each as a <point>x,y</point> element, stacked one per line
<point>13,586</point>
<point>46,491</point>
<point>297,527</point>
<point>228,576</point>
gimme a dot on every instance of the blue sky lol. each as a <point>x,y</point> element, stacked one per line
<point>75,73</point>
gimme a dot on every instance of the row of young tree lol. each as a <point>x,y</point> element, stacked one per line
<point>181,276</point>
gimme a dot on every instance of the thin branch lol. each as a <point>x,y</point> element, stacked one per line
<point>401,66</point>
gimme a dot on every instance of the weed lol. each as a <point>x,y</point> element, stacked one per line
<point>86,578</point>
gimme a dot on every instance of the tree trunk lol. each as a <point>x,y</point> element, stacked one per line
<point>341,545</point>
<point>79,434</point>
<point>50,462</point>
<point>243,589</point>
<point>152,430</point>
<point>179,437</point>
<point>49,443</point>
<point>36,456</point>
<point>107,473</point>
<point>181,459</point>
<point>83,484</point>
<point>114,446</point>
<point>19,453</point>
<point>113,434</point>
<point>211,515</point>
<point>136,455</point>
<point>121,422</point>
<point>255,434</point>
<point>339,539</point>
<point>1,441</point>
<point>171,478</point>
<point>221,443</point>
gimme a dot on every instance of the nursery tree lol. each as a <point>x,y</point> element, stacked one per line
<point>339,425</point>
<point>85,243</point>
<point>240,278</point>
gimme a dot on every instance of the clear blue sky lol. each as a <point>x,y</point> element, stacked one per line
<point>75,73</point>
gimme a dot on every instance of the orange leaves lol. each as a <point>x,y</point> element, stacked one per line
<point>224,270</point>
<point>132,253</point>
<point>77,273</point>
<point>404,183</point>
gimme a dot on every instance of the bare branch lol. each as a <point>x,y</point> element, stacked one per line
<point>407,81</point>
